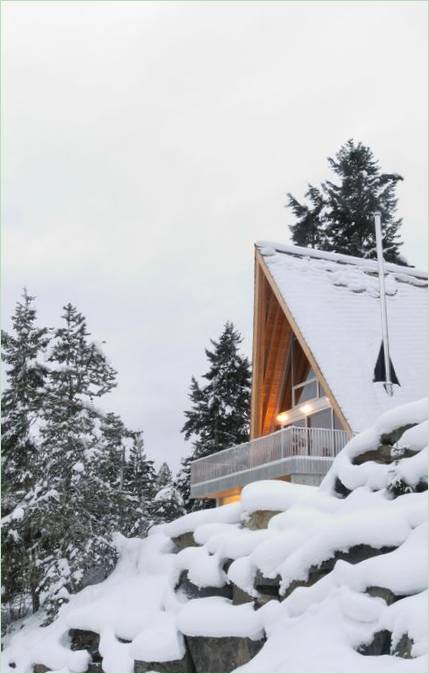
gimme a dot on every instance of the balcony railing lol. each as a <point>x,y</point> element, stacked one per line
<point>268,450</point>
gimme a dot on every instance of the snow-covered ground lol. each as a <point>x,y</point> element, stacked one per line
<point>320,622</point>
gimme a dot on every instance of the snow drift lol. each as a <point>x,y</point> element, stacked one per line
<point>337,581</point>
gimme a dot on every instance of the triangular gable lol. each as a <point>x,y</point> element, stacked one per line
<point>331,303</point>
<point>273,329</point>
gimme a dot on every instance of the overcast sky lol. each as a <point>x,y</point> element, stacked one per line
<point>146,146</point>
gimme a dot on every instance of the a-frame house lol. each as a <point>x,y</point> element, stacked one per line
<point>316,336</point>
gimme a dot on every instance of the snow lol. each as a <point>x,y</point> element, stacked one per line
<point>408,616</point>
<point>378,475</point>
<point>217,617</point>
<point>204,570</point>
<point>273,495</point>
<point>227,514</point>
<point>141,613</point>
<point>323,290</point>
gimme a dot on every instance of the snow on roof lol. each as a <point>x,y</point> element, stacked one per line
<point>334,300</point>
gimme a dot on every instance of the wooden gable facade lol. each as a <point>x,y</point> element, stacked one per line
<point>275,332</point>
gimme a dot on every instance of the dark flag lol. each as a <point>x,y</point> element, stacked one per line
<point>380,369</point>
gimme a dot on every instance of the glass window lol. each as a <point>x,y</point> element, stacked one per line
<point>322,419</point>
<point>337,423</point>
<point>306,392</point>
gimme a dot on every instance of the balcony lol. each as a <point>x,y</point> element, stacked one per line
<point>292,451</point>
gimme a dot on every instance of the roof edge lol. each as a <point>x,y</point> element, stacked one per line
<point>370,265</point>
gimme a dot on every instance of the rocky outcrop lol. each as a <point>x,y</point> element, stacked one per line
<point>85,640</point>
<point>183,665</point>
<point>239,596</point>
<point>193,592</point>
<point>221,654</point>
<point>386,452</point>
<point>267,588</point>
<point>185,540</point>
<point>382,593</point>
<point>259,519</point>
<point>380,644</point>
<point>356,554</point>
<point>403,648</point>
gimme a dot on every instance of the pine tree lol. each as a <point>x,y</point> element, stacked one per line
<point>220,412</point>
<point>115,439</point>
<point>167,503</point>
<point>22,401</point>
<point>69,505</point>
<point>340,215</point>
<point>351,204</point>
<point>308,231</point>
<point>139,483</point>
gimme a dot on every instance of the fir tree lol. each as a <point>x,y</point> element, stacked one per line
<point>139,483</point>
<point>351,204</point>
<point>22,401</point>
<point>122,503</point>
<point>220,412</point>
<point>340,215</point>
<point>70,505</point>
<point>308,231</point>
<point>167,503</point>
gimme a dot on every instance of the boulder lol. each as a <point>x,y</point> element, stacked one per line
<point>41,668</point>
<point>380,644</point>
<point>382,593</point>
<point>267,588</point>
<point>383,454</point>
<point>393,437</point>
<point>183,665</point>
<point>185,540</point>
<point>194,592</point>
<point>259,519</point>
<point>399,487</point>
<point>221,654</point>
<point>85,640</point>
<point>340,489</point>
<point>239,596</point>
<point>404,647</point>
<point>356,554</point>
<point>386,452</point>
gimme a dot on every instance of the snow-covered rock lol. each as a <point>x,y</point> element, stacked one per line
<point>335,580</point>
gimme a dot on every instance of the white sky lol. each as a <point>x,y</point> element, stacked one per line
<point>146,146</point>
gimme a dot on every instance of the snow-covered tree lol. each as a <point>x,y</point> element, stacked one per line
<point>220,413</point>
<point>167,503</point>
<point>340,215</point>
<point>139,483</point>
<point>70,505</point>
<point>22,400</point>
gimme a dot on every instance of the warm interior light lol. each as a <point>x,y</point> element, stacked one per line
<point>283,417</point>
<point>305,409</point>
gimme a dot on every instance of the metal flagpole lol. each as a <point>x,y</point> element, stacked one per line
<point>379,242</point>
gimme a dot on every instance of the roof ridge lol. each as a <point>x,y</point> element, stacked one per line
<point>367,264</point>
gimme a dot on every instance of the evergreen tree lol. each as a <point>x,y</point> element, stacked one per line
<point>182,483</point>
<point>22,401</point>
<point>70,504</point>
<point>115,438</point>
<point>167,503</point>
<point>220,412</point>
<point>140,484</point>
<point>309,230</point>
<point>340,215</point>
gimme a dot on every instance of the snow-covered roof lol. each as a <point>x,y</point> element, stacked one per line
<point>334,300</point>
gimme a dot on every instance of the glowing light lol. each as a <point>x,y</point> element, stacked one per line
<point>283,417</point>
<point>305,409</point>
